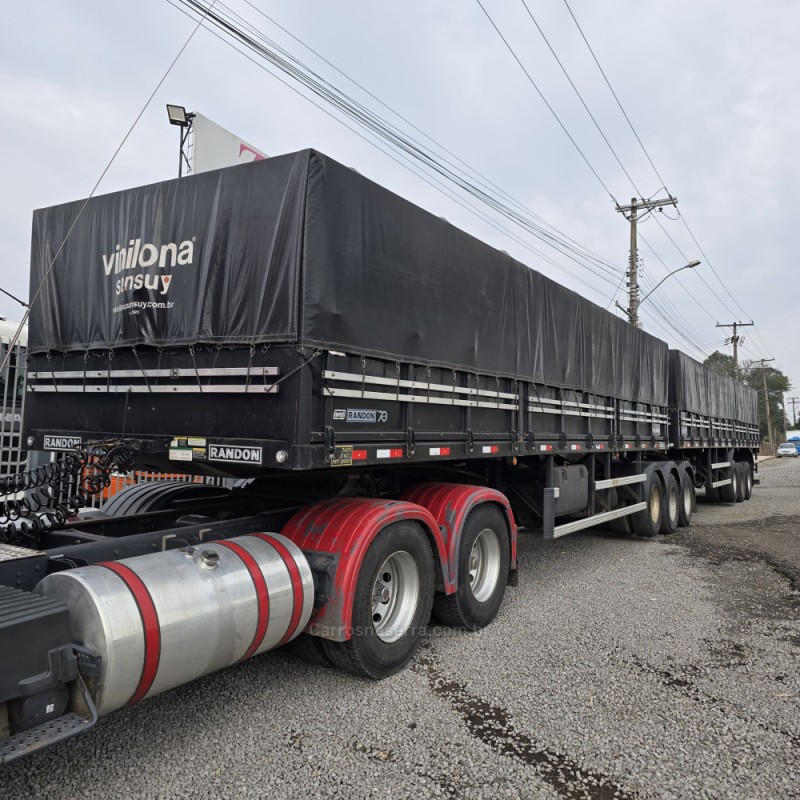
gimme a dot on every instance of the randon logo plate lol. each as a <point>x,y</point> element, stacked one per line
<point>235,454</point>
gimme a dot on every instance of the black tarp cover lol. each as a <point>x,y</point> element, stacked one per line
<point>302,249</point>
<point>694,387</point>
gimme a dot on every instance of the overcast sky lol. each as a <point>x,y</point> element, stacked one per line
<point>711,88</point>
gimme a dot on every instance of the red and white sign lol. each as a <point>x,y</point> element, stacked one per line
<point>214,147</point>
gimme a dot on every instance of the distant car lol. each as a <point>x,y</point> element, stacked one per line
<point>787,449</point>
<point>796,442</point>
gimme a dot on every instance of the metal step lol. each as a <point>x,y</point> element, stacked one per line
<point>65,727</point>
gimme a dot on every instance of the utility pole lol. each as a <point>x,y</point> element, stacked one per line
<point>631,213</point>
<point>735,339</point>
<point>763,364</point>
<point>794,401</point>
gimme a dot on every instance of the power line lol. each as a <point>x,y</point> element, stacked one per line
<point>652,164</point>
<point>611,88</point>
<point>544,100</point>
<point>575,88</point>
<point>379,127</point>
<point>648,204</point>
<point>50,266</point>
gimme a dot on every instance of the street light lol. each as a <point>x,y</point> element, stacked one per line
<point>690,265</point>
<point>179,116</point>
<point>633,313</point>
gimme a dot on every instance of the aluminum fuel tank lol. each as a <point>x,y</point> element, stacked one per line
<point>166,618</point>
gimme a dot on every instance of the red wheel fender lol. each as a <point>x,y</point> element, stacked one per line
<point>345,528</point>
<point>450,504</point>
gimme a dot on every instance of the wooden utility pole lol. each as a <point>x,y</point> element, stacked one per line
<point>734,339</point>
<point>631,213</point>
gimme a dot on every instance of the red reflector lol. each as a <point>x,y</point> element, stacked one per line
<point>359,455</point>
<point>398,453</point>
<point>445,451</point>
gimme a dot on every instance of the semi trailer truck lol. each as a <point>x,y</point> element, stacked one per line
<point>393,398</point>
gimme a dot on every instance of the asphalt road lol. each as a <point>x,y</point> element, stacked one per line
<point>618,668</point>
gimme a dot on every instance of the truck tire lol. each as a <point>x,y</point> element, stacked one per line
<point>728,492</point>
<point>483,563</point>
<point>391,606</point>
<point>142,498</point>
<point>686,502</point>
<point>672,497</point>
<point>740,482</point>
<point>748,480</point>
<point>647,523</point>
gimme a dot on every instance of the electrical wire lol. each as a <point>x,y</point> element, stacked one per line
<point>655,170</point>
<point>410,150</point>
<point>545,101</point>
<point>611,88</point>
<point>380,128</point>
<point>577,92</point>
<point>125,138</point>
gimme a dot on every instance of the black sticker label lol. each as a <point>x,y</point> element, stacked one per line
<point>235,454</point>
<point>61,442</point>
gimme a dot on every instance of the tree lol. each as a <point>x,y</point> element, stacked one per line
<point>721,363</point>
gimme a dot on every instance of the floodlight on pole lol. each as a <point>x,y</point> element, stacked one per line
<point>182,118</point>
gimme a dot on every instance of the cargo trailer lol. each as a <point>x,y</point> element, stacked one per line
<point>393,397</point>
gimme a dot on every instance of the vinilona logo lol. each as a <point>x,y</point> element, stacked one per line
<point>142,265</point>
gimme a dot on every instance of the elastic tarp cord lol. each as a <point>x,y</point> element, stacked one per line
<point>144,374</point>
<point>52,374</point>
<point>196,373</point>
<point>308,361</point>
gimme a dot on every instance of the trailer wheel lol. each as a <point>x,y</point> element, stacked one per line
<point>672,498</point>
<point>686,503</point>
<point>141,498</point>
<point>483,563</point>
<point>648,522</point>
<point>747,472</point>
<point>728,492</point>
<point>392,604</point>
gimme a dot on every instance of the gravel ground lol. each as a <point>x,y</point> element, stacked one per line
<point>618,668</point>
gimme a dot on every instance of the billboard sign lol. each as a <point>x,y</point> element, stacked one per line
<point>214,147</point>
